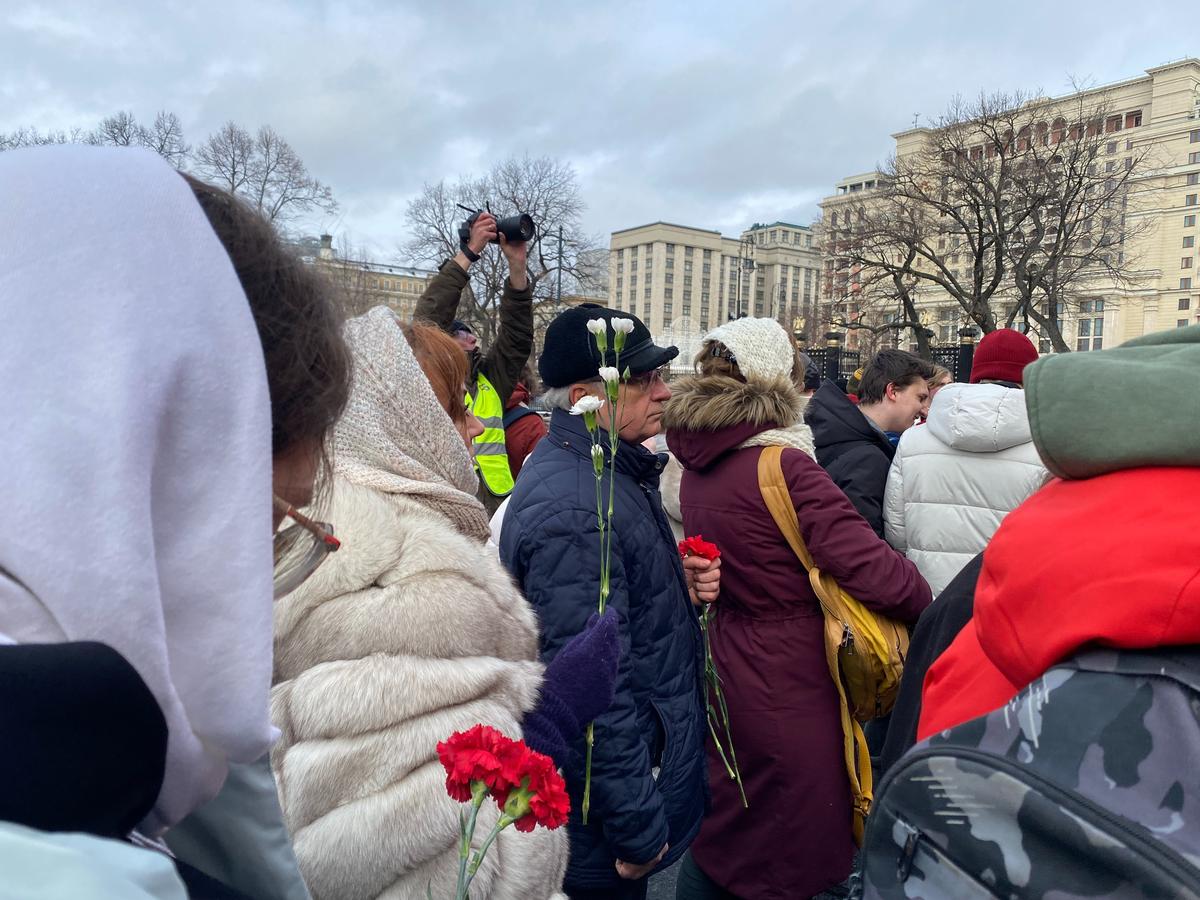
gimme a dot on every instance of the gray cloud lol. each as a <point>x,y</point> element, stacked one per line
<point>711,114</point>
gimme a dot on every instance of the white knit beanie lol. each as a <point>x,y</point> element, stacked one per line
<point>763,349</point>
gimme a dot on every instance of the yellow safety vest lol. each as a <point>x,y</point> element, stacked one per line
<point>491,456</point>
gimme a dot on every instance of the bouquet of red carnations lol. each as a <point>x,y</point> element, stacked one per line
<point>482,762</point>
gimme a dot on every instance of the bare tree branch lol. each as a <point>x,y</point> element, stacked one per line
<point>1013,206</point>
<point>546,189</point>
<point>264,170</point>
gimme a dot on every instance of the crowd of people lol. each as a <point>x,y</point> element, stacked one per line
<point>262,560</point>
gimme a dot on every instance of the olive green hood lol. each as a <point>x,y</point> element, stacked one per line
<point>1132,406</point>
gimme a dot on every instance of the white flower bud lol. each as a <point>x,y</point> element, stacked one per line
<point>596,326</point>
<point>609,373</point>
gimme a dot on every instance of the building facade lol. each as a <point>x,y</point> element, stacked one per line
<point>361,285</point>
<point>683,281</point>
<point>1154,119</point>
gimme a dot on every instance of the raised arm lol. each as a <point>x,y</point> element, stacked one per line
<point>514,339</point>
<point>439,304</point>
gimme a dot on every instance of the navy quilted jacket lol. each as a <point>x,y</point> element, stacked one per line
<point>648,766</point>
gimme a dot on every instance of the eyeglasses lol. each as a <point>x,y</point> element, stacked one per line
<point>645,379</point>
<point>300,548</point>
<point>642,380</point>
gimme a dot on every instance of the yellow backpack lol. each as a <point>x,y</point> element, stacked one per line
<point>864,650</point>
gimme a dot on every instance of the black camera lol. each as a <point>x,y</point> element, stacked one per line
<point>514,228</point>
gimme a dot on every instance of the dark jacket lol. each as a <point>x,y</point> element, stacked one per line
<point>939,626</point>
<point>855,453</point>
<point>795,840</point>
<point>504,359</point>
<point>551,545</point>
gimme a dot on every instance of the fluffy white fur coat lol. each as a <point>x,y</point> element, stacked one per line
<point>408,633</point>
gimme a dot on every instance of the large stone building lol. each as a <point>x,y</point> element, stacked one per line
<point>1158,112</point>
<point>683,281</point>
<point>361,285</point>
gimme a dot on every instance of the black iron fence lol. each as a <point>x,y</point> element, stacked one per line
<point>837,364</point>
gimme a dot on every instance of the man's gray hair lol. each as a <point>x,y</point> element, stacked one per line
<point>557,398</point>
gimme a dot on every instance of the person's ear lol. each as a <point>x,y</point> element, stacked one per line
<point>889,392</point>
<point>577,391</point>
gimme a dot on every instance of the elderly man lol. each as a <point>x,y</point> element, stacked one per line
<point>648,771</point>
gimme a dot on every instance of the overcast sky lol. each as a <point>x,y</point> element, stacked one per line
<point>708,114</point>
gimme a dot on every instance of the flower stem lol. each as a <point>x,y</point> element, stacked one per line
<point>587,773</point>
<point>722,711</point>
<point>503,822</point>
<point>467,832</point>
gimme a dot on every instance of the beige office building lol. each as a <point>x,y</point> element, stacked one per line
<point>361,285</point>
<point>1159,111</point>
<point>683,281</point>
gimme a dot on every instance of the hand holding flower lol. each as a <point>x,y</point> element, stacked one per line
<point>703,579</point>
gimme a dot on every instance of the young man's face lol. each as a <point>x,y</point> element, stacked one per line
<point>907,404</point>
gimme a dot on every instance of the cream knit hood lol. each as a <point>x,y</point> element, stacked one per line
<point>395,437</point>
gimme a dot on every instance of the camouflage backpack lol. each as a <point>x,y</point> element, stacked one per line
<point>1086,784</point>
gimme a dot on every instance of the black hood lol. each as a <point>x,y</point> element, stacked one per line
<point>837,425</point>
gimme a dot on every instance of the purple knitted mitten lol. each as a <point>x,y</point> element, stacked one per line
<point>578,686</point>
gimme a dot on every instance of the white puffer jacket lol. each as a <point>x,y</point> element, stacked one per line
<point>955,478</point>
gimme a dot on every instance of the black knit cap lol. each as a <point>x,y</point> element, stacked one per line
<point>570,355</point>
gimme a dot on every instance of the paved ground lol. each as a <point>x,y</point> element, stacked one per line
<point>662,885</point>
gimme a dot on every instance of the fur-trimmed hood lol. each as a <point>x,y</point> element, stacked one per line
<point>708,416</point>
<point>717,402</point>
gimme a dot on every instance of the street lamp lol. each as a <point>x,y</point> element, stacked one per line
<point>744,264</point>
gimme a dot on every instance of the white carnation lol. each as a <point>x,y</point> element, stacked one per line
<point>586,404</point>
<point>623,325</point>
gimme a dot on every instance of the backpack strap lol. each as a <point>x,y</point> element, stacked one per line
<point>517,412</point>
<point>774,489</point>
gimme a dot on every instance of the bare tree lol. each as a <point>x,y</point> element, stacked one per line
<point>349,273</point>
<point>31,137</point>
<point>264,170</point>
<point>119,130</point>
<point>1013,206</point>
<point>165,137</point>
<point>545,188</point>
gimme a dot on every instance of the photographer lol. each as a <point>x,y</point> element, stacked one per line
<point>495,373</point>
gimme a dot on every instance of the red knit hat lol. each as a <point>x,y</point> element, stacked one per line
<point>1002,355</point>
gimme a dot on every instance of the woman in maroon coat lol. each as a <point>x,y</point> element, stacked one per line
<point>795,839</point>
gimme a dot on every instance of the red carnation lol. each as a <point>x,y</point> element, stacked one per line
<point>696,545</point>
<point>549,804</point>
<point>476,754</point>
<point>514,764</point>
<point>542,797</point>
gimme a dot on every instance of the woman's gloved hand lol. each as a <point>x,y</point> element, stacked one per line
<point>579,685</point>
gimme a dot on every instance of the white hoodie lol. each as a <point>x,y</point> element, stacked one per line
<point>954,479</point>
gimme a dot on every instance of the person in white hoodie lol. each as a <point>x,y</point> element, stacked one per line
<point>954,480</point>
